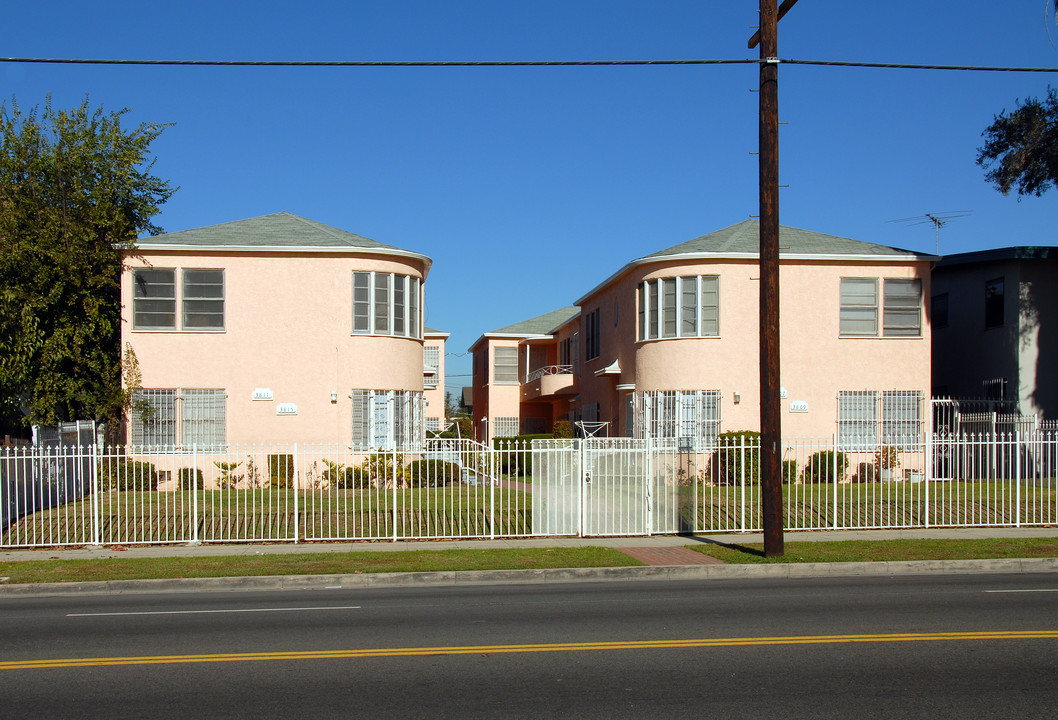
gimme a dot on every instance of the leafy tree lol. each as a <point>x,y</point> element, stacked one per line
<point>76,190</point>
<point>1021,149</point>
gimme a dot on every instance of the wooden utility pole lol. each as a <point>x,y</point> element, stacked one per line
<point>770,403</point>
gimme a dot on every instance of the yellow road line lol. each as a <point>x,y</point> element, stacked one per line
<point>542,647</point>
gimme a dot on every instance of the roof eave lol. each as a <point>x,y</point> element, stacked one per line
<point>651,259</point>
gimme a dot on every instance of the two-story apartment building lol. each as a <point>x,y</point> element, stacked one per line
<point>667,346</point>
<point>993,336</point>
<point>279,329</point>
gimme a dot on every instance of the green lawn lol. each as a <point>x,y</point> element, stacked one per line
<point>39,571</point>
<point>470,511</point>
<point>885,550</point>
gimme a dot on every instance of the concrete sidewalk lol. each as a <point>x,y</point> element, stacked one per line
<point>666,554</point>
<point>653,541</point>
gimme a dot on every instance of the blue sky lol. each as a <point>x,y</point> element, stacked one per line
<point>528,186</point>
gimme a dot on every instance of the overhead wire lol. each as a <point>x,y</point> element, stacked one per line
<point>523,63</point>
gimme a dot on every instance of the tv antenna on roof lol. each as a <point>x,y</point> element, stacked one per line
<point>937,220</point>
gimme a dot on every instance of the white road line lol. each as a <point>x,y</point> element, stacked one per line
<point>1024,591</point>
<point>208,612</point>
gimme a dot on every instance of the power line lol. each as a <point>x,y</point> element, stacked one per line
<point>521,63</point>
<point>375,63</point>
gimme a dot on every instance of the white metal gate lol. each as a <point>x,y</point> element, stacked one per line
<point>592,487</point>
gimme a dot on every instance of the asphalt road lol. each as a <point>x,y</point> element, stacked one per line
<point>965,646</point>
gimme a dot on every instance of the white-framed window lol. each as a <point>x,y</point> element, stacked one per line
<point>153,417</point>
<point>681,419</point>
<point>859,307</point>
<point>431,366</point>
<point>901,418</point>
<point>686,306</point>
<point>902,308</point>
<point>154,299</point>
<point>505,365</point>
<point>387,419</point>
<point>503,427</point>
<point>203,417</point>
<point>899,314</point>
<point>386,304</point>
<point>858,420</point>
<point>182,417</point>
<point>203,299</point>
<point>868,419</point>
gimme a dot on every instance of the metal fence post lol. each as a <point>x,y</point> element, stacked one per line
<point>834,505</point>
<point>392,465</point>
<point>1017,477</point>
<point>492,494</point>
<point>928,475</point>
<point>582,479</point>
<point>195,539</point>
<point>97,520</point>
<point>294,487</point>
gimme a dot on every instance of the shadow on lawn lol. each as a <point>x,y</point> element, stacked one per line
<point>745,549</point>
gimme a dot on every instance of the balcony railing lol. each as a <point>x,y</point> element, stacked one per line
<point>549,370</point>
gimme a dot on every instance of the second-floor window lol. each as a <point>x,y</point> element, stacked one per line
<point>994,303</point>
<point>679,307</point>
<point>386,304</point>
<point>592,335</point>
<point>505,365</point>
<point>154,299</point>
<point>899,314</point>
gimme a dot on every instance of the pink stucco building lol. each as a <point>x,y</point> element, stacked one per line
<point>667,346</point>
<point>279,329</point>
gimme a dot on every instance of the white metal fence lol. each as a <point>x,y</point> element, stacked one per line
<point>69,495</point>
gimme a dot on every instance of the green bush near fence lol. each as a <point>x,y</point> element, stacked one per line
<point>563,430</point>
<point>281,470</point>
<point>123,474</point>
<point>738,457</point>
<point>514,457</point>
<point>431,473</point>
<point>825,466</point>
<point>789,471</point>
<point>186,475</point>
<point>346,477</point>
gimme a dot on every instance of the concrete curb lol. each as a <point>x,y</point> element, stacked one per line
<point>517,577</point>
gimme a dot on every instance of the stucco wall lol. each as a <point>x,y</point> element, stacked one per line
<point>288,328</point>
<point>816,362</point>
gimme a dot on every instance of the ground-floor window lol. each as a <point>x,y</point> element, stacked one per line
<point>186,417</point>
<point>683,419</point>
<point>504,427</point>
<point>868,419</point>
<point>387,419</point>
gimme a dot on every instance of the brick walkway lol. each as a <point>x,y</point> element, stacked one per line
<point>669,556</point>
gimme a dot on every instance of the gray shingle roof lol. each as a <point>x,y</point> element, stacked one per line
<point>541,324</point>
<point>744,237</point>
<point>278,230</point>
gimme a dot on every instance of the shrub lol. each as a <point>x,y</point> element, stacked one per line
<point>124,474</point>
<point>562,429</point>
<point>382,469</point>
<point>515,457</point>
<point>281,470</point>
<point>738,457</point>
<point>431,473</point>
<point>342,476</point>
<point>228,477</point>
<point>865,472</point>
<point>820,467</point>
<point>789,471</point>
<point>186,475</point>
